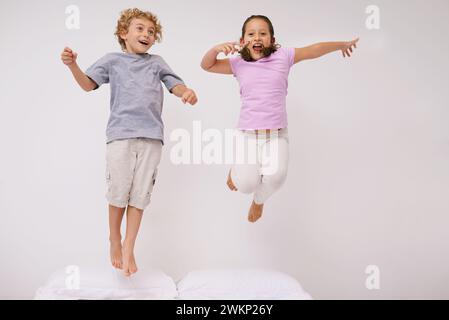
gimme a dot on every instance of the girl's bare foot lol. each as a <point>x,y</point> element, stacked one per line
<point>116,254</point>
<point>129,262</point>
<point>230,183</point>
<point>255,212</point>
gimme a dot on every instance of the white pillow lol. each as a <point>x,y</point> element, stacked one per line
<point>240,285</point>
<point>85,283</point>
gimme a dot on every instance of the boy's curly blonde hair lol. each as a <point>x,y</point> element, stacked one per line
<point>126,16</point>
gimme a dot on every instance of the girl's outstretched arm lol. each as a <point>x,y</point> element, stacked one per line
<point>212,64</point>
<point>320,49</point>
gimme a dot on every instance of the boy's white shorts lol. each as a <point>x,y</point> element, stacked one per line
<point>131,170</point>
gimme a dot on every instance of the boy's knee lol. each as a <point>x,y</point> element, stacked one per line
<point>139,204</point>
<point>137,207</point>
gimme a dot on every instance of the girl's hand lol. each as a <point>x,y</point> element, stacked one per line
<point>68,57</point>
<point>189,96</point>
<point>227,48</point>
<point>348,46</point>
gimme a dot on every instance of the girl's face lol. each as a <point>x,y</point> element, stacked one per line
<point>140,37</point>
<point>257,36</point>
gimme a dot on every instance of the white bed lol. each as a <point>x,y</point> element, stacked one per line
<point>88,283</point>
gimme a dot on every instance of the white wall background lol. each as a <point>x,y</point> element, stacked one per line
<point>369,140</point>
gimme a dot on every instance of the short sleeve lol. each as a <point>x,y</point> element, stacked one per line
<point>99,71</point>
<point>290,52</point>
<point>233,62</point>
<point>167,76</point>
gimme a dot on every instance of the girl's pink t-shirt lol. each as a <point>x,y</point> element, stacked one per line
<point>263,89</point>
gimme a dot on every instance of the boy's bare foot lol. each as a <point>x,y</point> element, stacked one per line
<point>255,212</point>
<point>116,254</point>
<point>230,183</point>
<point>129,262</point>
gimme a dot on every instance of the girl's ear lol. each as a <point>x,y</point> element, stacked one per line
<point>273,40</point>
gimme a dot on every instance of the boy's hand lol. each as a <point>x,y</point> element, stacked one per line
<point>227,48</point>
<point>348,46</point>
<point>189,96</point>
<point>68,57</point>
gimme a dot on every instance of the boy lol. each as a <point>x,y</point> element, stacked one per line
<point>135,128</point>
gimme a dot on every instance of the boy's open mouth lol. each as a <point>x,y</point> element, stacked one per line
<point>143,42</point>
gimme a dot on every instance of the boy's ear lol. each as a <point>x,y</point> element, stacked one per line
<point>123,35</point>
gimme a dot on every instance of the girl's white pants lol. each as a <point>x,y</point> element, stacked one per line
<point>261,164</point>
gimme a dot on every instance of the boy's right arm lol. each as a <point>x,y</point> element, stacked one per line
<point>210,62</point>
<point>68,57</point>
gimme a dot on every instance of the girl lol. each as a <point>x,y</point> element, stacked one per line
<point>262,72</point>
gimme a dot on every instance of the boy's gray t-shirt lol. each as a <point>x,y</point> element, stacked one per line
<point>136,93</point>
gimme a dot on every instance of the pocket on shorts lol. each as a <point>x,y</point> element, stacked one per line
<point>153,180</point>
<point>152,183</point>
<point>108,179</point>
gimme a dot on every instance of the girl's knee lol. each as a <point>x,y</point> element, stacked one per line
<point>247,184</point>
<point>276,180</point>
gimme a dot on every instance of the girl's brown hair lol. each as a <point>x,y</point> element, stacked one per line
<point>245,53</point>
<point>128,15</point>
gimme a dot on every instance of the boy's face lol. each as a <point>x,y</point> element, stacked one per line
<point>257,36</point>
<point>140,37</point>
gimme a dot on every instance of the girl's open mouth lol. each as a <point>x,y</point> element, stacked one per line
<point>258,47</point>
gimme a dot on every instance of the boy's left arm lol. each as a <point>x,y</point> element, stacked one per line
<point>187,95</point>
<point>320,49</point>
